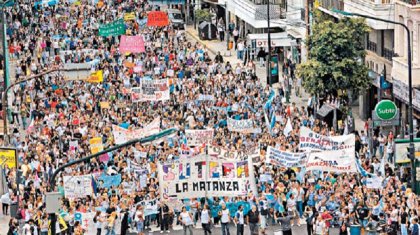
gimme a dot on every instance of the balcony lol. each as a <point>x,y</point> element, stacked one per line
<point>255,13</point>
<point>388,54</point>
<point>371,46</point>
<point>383,9</point>
<point>330,4</point>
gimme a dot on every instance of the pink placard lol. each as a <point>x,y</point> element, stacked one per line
<point>132,44</point>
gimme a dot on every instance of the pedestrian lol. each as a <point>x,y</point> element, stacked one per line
<point>240,221</point>
<point>224,219</point>
<point>187,220</point>
<point>164,212</point>
<point>253,219</point>
<point>206,220</point>
<point>285,221</point>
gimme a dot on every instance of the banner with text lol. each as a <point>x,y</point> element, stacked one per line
<point>203,176</point>
<point>199,137</point>
<point>122,135</point>
<point>313,141</point>
<point>115,28</point>
<point>242,126</point>
<point>78,186</point>
<point>151,90</point>
<point>132,44</point>
<point>277,157</point>
<point>96,145</point>
<point>340,161</point>
<point>250,152</point>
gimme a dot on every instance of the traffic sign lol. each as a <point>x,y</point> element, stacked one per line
<point>386,110</point>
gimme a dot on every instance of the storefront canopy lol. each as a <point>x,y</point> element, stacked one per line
<point>277,40</point>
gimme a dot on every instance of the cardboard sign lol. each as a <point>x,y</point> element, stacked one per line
<point>96,77</point>
<point>132,44</point>
<point>129,16</point>
<point>96,145</point>
<point>157,19</point>
<point>105,105</point>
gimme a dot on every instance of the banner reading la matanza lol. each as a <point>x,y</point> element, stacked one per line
<point>115,28</point>
<point>206,176</point>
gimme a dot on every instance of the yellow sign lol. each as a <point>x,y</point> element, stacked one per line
<point>8,157</point>
<point>104,105</point>
<point>129,16</point>
<point>96,77</point>
<point>96,145</point>
<point>316,4</point>
<point>61,223</point>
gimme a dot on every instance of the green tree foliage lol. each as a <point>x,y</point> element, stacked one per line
<point>202,15</point>
<point>337,56</point>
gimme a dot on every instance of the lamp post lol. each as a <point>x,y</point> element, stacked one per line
<point>4,42</point>
<point>269,45</point>
<point>410,89</point>
<point>148,139</point>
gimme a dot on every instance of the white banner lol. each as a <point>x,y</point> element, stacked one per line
<point>313,141</point>
<point>203,176</point>
<point>374,183</point>
<point>151,90</point>
<point>122,135</point>
<point>199,137</point>
<point>78,186</point>
<point>223,153</point>
<point>277,157</point>
<point>242,126</point>
<point>340,161</point>
<point>202,97</point>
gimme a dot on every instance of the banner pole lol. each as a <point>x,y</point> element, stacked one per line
<point>207,173</point>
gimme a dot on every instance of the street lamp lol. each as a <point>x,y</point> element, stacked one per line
<point>3,35</point>
<point>148,139</point>
<point>410,89</point>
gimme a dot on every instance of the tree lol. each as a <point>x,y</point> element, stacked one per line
<point>336,57</point>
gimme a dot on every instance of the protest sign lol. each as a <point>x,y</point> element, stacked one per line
<point>77,186</point>
<point>122,135</point>
<point>374,182</point>
<point>105,105</point>
<point>313,141</point>
<point>199,137</point>
<point>96,145</point>
<point>73,145</point>
<point>151,90</point>
<point>277,157</point>
<point>96,77</point>
<point>115,28</point>
<point>108,181</point>
<point>340,161</point>
<point>157,19</point>
<point>242,126</point>
<point>205,176</point>
<point>129,16</point>
<point>138,69</point>
<point>132,44</point>
<point>150,207</point>
<point>249,153</point>
<point>202,97</point>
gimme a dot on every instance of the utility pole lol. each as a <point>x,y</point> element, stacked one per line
<point>269,45</point>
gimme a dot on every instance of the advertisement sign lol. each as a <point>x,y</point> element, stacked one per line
<point>205,176</point>
<point>8,157</point>
<point>401,150</point>
<point>339,161</point>
<point>312,141</point>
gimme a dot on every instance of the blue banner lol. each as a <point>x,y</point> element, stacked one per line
<point>107,181</point>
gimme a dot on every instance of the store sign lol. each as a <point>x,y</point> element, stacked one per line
<point>379,122</point>
<point>400,90</point>
<point>386,110</point>
<point>274,42</point>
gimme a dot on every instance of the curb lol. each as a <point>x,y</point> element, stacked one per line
<point>200,41</point>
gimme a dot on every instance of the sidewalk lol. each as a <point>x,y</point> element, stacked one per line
<point>215,46</point>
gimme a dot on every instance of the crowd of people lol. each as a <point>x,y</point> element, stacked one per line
<point>53,119</point>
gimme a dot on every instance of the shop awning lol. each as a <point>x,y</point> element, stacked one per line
<point>277,39</point>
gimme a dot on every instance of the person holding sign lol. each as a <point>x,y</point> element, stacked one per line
<point>205,220</point>
<point>186,220</point>
<point>240,221</point>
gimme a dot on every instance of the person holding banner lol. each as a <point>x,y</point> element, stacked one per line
<point>206,220</point>
<point>240,221</point>
<point>224,219</point>
<point>253,219</point>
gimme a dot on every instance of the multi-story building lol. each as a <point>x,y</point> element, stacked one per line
<point>407,12</point>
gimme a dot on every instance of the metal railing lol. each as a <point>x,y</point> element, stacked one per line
<point>371,46</point>
<point>388,54</point>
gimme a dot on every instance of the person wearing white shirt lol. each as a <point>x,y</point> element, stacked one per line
<point>186,220</point>
<point>240,221</point>
<point>205,220</point>
<point>225,219</point>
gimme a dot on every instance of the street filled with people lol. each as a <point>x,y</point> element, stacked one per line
<point>240,155</point>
